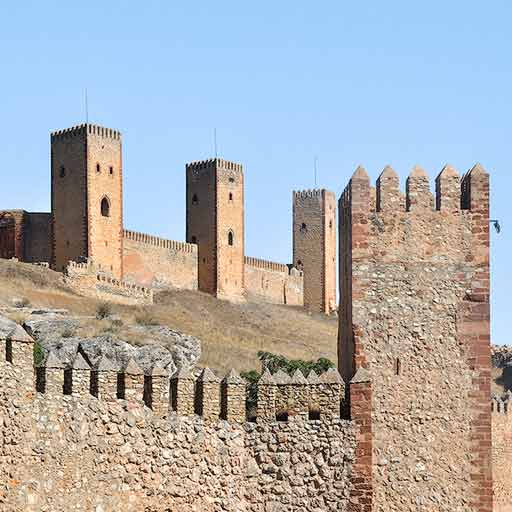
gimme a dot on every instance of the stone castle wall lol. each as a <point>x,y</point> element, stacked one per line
<point>502,452</point>
<point>75,445</point>
<point>414,279</point>
<point>88,280</point>
<point>273,282</point>
<point>314,247</point>
<point>25,236</point>
<point>156,262</point>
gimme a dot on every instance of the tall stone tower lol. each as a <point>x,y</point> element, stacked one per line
<point>87,197</point>
<point>215,222</point>
<point>314,247</point>
<point>414,292</point>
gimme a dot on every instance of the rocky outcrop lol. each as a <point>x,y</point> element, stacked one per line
<point>149,346</point>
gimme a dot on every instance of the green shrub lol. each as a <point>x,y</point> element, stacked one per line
<point>145,317</point>
<point>103,310</point>
<point>38,354</point>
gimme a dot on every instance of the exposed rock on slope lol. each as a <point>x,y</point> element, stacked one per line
<point>160,346</point>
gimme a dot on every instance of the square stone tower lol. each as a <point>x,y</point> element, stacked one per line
<point>87,197</point>
<point>215,222</point>
<point>314,247</point>
<point>414,312</point>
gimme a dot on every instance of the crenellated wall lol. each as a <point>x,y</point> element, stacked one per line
<point>502,452</point>
<point>414,286</point>
<point>106,438</point>
<point>156,262</point>
<point>273,282</point>
<point>90,280</point>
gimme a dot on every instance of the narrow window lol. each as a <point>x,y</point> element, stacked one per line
<point>282,415</point>
<point>330,223</point>
<point>111,170</point>
<point>303,227</point>
<point>194,240</point>
<point>314,412</point>
<point>98,168</point>
<point>62,171</point>
<point>195,200</point>
<point>68,381</point>
<point>105,207</point>
<point>120,386</point>
<point>231,196</point>
<point>398,366</point>
<point>230,238</point>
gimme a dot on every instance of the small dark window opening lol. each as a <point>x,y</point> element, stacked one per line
<point>300,266</point>
<point>98,168</point>
<point>195,200</point>
<point>8,351</point>
<point>62,171</point>
<point>330,223</point>
<point>111,170</point>
<point>173,394</point>
<point>68,381</point>
<point>41,379</point>
<point>148,391</point>
<point>314,413</point>
<point>231,196</point>
<point>194,240</point>
<point>303,227</point>
<point>230,238</point>
<point>231,180</point>
<point>121,386</point>
<point>105,207</point>
<point>94,383</point>
<point>398,366</point>
<point>282,415</point>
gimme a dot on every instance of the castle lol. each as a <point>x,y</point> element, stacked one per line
<point>407,424</point>
<point>86,223</point>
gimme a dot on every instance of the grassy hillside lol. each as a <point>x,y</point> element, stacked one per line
<point>231,334</point>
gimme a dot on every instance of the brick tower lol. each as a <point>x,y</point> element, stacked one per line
<point>87,197</point>
<point>414,292</point>
<point>314,247</point>
<point>215,222</point>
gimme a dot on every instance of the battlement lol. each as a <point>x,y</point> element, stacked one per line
<point>86,128</point>
<point>310,193</point>
<point>266,265</point>
<point>159,242</point>
<point>502,404</point>
<point>211,163</point>
<point>452,191</point>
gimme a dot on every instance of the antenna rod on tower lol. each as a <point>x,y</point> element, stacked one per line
<point>215,141</point>
<point>86,107</point>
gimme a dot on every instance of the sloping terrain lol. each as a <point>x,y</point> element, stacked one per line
<point>231,334</point>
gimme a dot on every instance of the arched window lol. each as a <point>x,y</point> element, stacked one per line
<point>230,238</point>
<point>231,196</point>
<point>111,170</point>
<point>98,168</point>
<point>195,200</point>
<point>105,207</point>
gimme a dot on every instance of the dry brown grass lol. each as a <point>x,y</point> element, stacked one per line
<point>231,334</point>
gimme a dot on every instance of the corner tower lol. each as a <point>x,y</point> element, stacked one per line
<point>314,247</point>
<point>414,297</point>
<point>215,222</point>
<point>87,197</point>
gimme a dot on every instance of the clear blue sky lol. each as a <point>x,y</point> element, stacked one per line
<point>374,83</point>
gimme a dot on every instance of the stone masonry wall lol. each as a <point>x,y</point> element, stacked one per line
<point>414,282</point>
<point>314,247</point>
<point>502,453</point>
<point>273,282</point>
<point>63,449</point>
<point>11,234</point>
<point>156,262</point>
<point>87,280</point>
<point>37,237</point>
